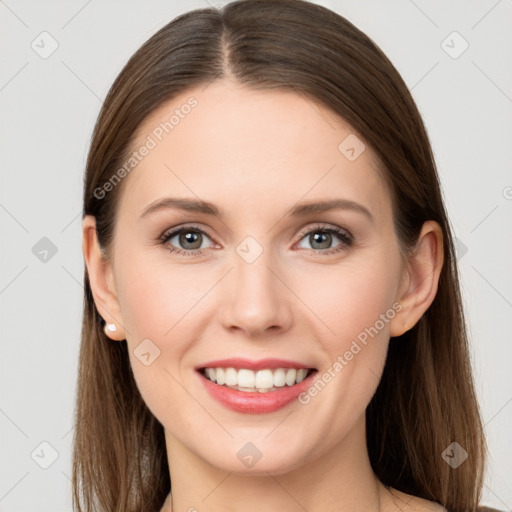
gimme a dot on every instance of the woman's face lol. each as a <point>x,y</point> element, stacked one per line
<point>261,282</point>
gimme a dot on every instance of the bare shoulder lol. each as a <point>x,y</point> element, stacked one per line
<point>409,503</point>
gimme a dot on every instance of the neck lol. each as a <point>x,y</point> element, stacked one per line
<point>339,480</point>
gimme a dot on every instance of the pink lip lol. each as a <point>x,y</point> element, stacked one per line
<point>255,403</point>
<point>262,364</point>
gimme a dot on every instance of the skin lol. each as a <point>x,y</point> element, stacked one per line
<point>255,154</point>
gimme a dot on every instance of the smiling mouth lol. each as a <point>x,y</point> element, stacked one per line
<point>262,381</point>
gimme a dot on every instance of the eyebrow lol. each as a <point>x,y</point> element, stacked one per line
<point>301,210</point>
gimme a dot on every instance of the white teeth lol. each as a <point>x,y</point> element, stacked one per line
<point>261,380</point>
<point>301,374</point>
<point>221,376</point>
<point>264,379</point>
<point>280,377</point>
<point>245,378</point>
<point>231,376</point>
<point>291,376</point>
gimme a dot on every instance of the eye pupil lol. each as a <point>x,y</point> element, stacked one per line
<point>317,237</point>
<point>189,237</point>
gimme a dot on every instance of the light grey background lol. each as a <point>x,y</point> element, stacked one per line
<point>48,107</point>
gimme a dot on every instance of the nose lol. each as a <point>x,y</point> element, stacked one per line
<point>255,298</point>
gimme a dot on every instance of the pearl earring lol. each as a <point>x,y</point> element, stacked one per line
<point>111,327</point>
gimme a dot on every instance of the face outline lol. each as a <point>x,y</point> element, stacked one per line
<point>267,151</point>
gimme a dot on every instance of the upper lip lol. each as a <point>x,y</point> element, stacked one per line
<point>262,364</point>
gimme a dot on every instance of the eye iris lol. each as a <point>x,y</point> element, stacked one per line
<point>187,237</point>
<point>317,236</point>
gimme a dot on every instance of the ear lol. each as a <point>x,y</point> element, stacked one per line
<point>101,279</point>
<point>420,278</point>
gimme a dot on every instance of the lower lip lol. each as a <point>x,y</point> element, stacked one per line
<point>256,403</point>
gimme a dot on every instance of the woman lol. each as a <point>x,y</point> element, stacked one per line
<point>255,369</point>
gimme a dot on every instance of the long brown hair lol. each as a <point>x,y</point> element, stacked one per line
<point>426,398</point>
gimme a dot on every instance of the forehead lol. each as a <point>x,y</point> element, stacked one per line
<point>250,151</point>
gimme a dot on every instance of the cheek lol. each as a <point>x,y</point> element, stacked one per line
<point>355,310</point>
<point>157,304</point>
<point>156,298</point>
<point>349,297</point>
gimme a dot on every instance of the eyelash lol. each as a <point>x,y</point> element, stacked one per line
<point>343,235</point>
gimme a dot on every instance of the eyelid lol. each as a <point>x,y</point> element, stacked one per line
<point>324,227</point>
<point>336,230</point>
<point>177,229</point>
